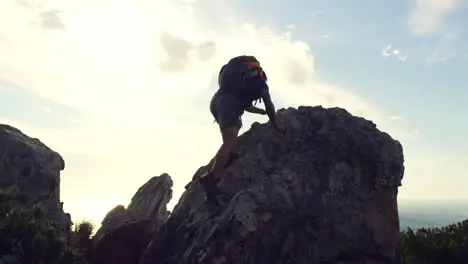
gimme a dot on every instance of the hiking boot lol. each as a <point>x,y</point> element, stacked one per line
<point>210,187</point>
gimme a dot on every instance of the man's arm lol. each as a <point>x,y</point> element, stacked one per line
<point>269,106</point>
<point>255,110</point>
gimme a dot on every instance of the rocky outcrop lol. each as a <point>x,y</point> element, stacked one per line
<point>125,233</point>
<point>325,192</point>
<point>33,170</point>
<point>149,202</point>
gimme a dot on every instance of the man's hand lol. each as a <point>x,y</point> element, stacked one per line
<point>270,110</point>
<point>277,127</point>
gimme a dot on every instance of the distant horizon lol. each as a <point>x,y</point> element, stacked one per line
<point>428,198</point>
<point>425,211</point>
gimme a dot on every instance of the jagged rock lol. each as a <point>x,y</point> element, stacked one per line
<point>115,217</point>
<point>325,192</point>
<point>33,170</point>
<point>125,233</point>
<point>150,201</point>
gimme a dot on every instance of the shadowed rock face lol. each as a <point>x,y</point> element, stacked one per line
<point>125,243</point>
<point>125,233</point>
<point>326,192</point>
<point>33,169</point>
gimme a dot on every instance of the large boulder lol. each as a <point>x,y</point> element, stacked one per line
<point>125,232</point>
<point>33,170</point>
<point>325,192</point>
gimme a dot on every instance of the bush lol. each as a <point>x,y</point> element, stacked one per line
<point>26,236</point>
<point>446,245</point>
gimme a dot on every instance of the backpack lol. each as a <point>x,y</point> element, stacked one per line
<point>237,77</point>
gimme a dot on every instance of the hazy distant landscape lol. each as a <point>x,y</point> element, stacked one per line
<point>431,213</point>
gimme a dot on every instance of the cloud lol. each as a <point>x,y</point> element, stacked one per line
<point>46,109</point>
<point>20,104</point>
<point>316,13</point>
<point>51,19</point>
<point>388,51</point>
<point>39,14</point>
<point>428,17</point>
<point>178,51</point>
<point>142,79</point>
<point>436,57</point>
<point>395,117</point>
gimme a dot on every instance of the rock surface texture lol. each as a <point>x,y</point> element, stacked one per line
<point>125,233</point>
<point>33,169</point>
<point>325,192</point>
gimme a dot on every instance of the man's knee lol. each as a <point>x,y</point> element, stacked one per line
<point>228,123</point>
<point>229,134</point>
<point>226,148</point>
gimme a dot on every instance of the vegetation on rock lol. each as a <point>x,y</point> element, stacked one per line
<point>336,162</point>
<point>445,245</point>
<point>26,236</point>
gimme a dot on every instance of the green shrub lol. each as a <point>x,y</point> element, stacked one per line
<point>81,241</point>
<point>446,245</point>
<point>26,236</point>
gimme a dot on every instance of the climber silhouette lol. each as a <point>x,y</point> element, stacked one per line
<point>241,81</point>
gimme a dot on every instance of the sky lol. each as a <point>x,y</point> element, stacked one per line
<point>121,88</point>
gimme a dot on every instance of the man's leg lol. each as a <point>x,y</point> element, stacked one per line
<point>229,136</point>
<point>227,115</point>
<point>210,181</point>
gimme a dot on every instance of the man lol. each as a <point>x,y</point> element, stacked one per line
<point>241,81</point>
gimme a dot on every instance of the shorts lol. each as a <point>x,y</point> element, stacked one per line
<point>227,110</point>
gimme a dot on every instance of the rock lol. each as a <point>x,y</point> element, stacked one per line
<point>33,169</point>
<point>150,201</point>
<point>125,243</point>
<point>115,217</point>
<point>326,192</point>
<point>125,233</point>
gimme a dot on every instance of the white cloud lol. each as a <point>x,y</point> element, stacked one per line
<point>144,71</point>
<point>415,132</point>
<point>395,117</point>
<point>46,109</point>
<point>388,51</point>
<point>428,16</point>
<point>316,13</point>
<point>437,57</point>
